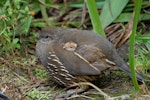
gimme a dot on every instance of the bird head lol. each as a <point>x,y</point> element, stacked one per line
<point>70,46</point>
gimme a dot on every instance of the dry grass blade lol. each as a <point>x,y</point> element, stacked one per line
<point>83,96</point>
<point>95,87</point>
<point>22,78</point>
<point>126,34</point>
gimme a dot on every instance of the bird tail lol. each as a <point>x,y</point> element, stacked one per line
<point>125,67</point>
<point>127,70</point>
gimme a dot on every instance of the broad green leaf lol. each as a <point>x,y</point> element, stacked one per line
<point>111,10</point>
<point>125,17</point>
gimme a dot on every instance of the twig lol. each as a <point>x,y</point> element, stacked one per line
<point>95,87</point>
<point>76,96</point>
<point>22,78</point>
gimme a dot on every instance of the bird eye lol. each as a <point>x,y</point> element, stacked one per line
<point>47,36</point>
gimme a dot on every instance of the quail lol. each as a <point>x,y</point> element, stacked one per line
<point>71,55</point>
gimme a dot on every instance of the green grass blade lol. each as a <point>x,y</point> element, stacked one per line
<point>95,19</point>
<point>132,41</point>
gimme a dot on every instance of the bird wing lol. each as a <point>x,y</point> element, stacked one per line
<point>74,62</point>
<point>94,56</point>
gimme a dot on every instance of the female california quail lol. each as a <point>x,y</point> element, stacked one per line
<point>71,55</point>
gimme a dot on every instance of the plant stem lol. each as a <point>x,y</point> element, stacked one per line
<point>132,41</point>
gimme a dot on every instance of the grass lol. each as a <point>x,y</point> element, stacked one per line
<point>36,94</point>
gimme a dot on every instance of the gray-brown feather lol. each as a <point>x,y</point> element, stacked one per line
<point>68,63</point>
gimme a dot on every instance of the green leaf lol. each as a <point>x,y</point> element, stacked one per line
<point>25,25</point>
<point>111,10</point>
<point>125,17</point>
<point>15,41</point>
<point>143,37</point>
